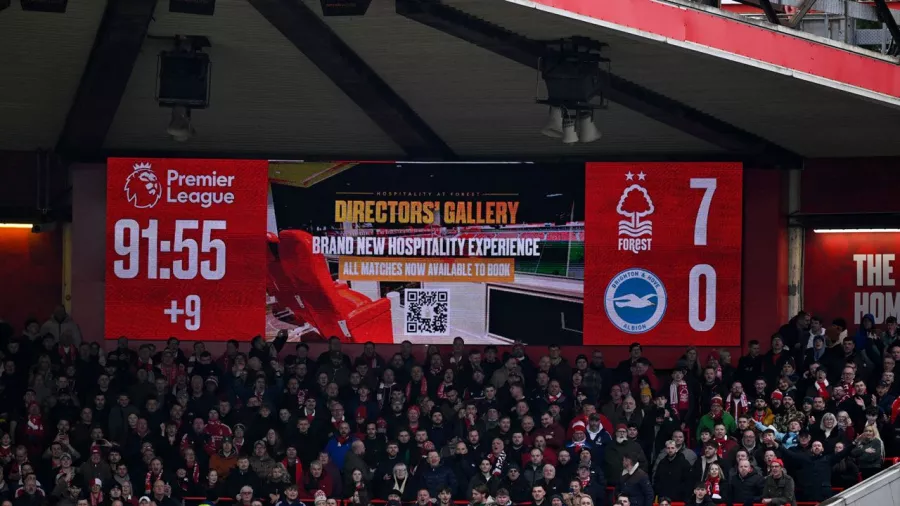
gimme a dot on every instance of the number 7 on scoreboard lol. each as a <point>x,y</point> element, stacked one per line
<point>700,225</point>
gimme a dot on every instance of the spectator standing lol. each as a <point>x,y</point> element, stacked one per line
<point>619,449</point>
<point>436,475</point>
<point>779,487</point>
<point>746,486</point>
<point>868,452</point>
<point>634,482</point>
<point>672,475</point>
<point>61,322</point>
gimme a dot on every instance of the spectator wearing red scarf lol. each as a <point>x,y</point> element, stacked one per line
<point>293,466</point>
<point>737,403</point>
<point>680,394</point>
<point>33,429</point>
<point>216,429</point>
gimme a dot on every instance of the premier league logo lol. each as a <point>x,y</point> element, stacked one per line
<point>142,187</point>
<point>635,300</point>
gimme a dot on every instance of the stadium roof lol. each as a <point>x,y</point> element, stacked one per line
<point>451,79</point>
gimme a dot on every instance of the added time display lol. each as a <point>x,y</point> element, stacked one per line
<point>193,251</point>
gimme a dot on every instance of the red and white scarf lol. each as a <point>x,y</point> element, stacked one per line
<point>172,372</point>
<point>849,391</point>
<point>679,396</point>
<point>722,442</point>
<point>97,499</point>
<point>35,426</point>
<point>739,406</point>
<point>423,388</point>
<point>149,480</point>
<point>822,389</point>
<point>67,357</point>
<point>712,487</point>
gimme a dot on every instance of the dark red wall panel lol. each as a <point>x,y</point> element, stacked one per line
<point>31,270</point>
<point>849,185</point>
<point>765,255</point>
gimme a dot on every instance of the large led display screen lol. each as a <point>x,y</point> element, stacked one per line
<point>385,252</point>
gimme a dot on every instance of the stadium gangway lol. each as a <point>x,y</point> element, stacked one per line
<point>883,489</point>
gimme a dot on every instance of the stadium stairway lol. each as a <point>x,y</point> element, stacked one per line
<point>883,489</point>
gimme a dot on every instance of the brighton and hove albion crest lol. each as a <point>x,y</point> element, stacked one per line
<point>635,204</point>
<point>142,187</point>
<point>635,300</point>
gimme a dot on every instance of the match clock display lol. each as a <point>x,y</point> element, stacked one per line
<point>185,248</point>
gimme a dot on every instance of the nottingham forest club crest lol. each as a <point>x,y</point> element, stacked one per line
<point>635,204</point>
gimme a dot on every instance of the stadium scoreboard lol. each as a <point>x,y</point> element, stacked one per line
<point>598,254</point>
<point>663,261</point>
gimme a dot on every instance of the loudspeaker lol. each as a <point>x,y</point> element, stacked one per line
<point>183,79</point>
<point>568,132</point>
<point>587,131</point>
<point>554,125</point>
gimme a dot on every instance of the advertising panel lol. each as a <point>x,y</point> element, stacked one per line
<point>849,275</point>
<point>427,252</point>
<point>385,252</point>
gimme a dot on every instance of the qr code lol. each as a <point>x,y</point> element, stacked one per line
<point>427,312</point>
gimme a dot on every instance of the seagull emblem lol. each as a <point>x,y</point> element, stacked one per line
<point>632,300</point>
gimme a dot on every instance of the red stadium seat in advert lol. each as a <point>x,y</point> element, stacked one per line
<point>329,305</point>
<point>280,287</point>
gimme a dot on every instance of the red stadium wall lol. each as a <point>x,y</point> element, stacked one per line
<point>31,270</point>
<point>30,264</point>
<point>765,255</point>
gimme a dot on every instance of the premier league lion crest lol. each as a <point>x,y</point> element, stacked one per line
<point>142,187</point>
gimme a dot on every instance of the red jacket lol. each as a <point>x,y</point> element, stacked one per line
<point>311,485</point>
<point>554,435</point>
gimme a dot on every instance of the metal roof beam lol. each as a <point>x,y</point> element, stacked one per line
<point>647,102</point>
<point>318,42</point>
<point>116,48</point>
<point>771,15</point>
<point>886,17</point>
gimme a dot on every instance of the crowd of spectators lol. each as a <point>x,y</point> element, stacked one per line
<point>260,425</point>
